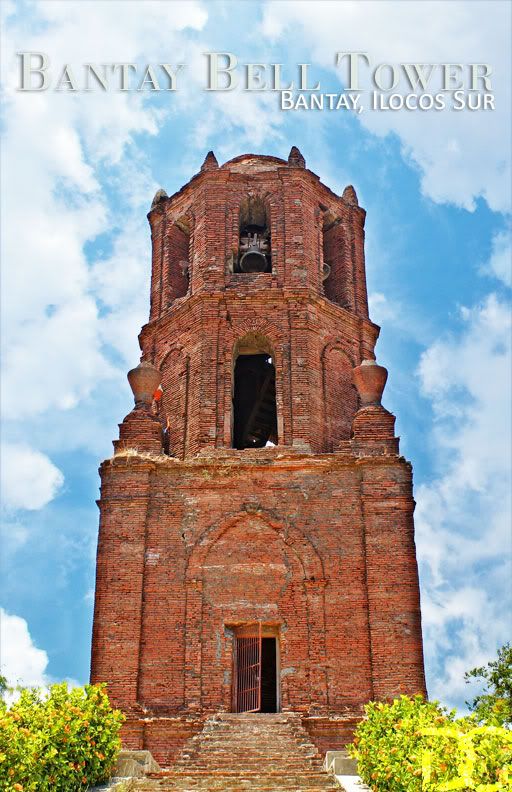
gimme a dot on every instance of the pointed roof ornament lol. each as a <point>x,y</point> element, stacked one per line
<point>210,162</point>
<point>350,196</point>
<point>160,195</point>
<point>295,158</point>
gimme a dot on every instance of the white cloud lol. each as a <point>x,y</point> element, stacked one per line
<point>381,309</point>
<point>14,534</point>
<point>500,263</point>
<point>467,154</point>
<point>53,361</point>
<point>29,480</point>
<point>463,516</point>
<point>21,662</point>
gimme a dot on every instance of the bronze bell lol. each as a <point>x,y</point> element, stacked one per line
<point>253,261</point>
<point>253,258</point>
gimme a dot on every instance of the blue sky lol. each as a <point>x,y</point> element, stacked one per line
<point>79,173</point>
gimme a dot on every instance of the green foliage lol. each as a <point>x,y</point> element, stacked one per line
<point>63,741</point>
<point>413,745</point>
<point>4,686</point>
<point>388,743</point>
<point>494,705</point>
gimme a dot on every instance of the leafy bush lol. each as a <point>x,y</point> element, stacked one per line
<point>61,741</point>
<point>413,745</point>
<point>494,705</point>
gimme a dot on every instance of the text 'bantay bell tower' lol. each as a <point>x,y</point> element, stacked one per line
<point>256,546</point>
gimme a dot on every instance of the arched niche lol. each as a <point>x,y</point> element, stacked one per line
<point>340,396</point>
<point>310,562</point>
<point>174,404</point>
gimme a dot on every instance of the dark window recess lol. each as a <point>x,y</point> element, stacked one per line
<point>268,675</point>
<point>254,402</point>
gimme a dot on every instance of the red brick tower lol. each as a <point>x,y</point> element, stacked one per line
<point>259,553</point>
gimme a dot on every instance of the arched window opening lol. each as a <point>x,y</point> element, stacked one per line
<point>323,217</point>
<point>328,250</point>
<point>336,262</point>
<point>254,395</point>
<point>178,251</point>
<point>254,251</point>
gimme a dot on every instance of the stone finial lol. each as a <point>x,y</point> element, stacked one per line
<point>370,380</point>
<point>160,195</point>
<point>210,162</point>
<point>144,379</point>
<point>350,196</point>
<point>295,158</point>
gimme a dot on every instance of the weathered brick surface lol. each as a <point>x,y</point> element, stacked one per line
<point>330,733</point>
<point>314,538</point>
<point>140,431</point>
<point>165,736</point>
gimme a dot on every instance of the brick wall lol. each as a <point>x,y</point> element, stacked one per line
<point>321,547</point>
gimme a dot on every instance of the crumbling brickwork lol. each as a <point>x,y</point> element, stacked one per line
<point>312,538</point>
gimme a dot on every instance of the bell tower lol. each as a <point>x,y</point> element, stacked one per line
<point>256,546</point>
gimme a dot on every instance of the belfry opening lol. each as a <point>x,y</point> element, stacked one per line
<point>254,395</point>
<point>254,254</point>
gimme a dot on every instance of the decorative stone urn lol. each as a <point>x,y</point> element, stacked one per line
<point>370,380</point>
<point>144,379</point>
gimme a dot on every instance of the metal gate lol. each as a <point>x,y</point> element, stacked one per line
<point>247,668</point>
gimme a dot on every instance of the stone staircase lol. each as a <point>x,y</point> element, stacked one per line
<point>256,752</point>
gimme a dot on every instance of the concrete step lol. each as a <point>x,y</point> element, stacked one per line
<point>236,752</point>
<point>245,752</point>
<point>241,781</point>
<point>253,767</point>
<point>237,786</point>
<point>207,773</point>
